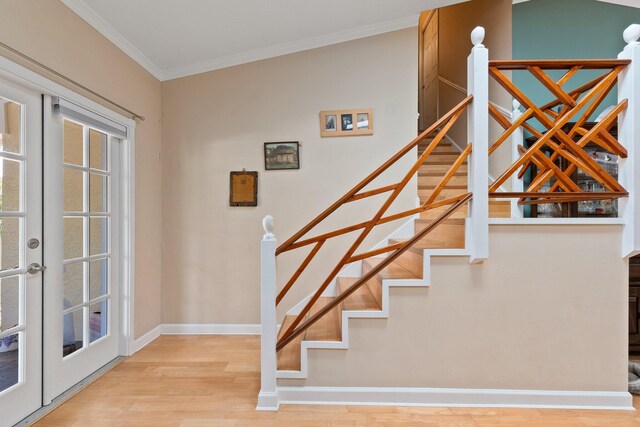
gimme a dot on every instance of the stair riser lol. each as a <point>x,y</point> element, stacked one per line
<point>360,299</point>
<point>374,285</point>
<point>440,158</point>
<point>499,209</point>
<point>439,149</point>
<point>411,261</point>
<point>443,236</point>
<point>435,180</point>
<point>444,194</point>
<point>430,168</point>
<point>434,213</point>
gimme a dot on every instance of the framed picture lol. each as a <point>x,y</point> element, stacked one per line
<point>330,121</point>
<point>363,121</point>
<point>243,188</point>
<point>346,122</point>
<point>281,155</point>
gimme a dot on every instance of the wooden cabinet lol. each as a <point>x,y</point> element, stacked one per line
<point>634,304</point>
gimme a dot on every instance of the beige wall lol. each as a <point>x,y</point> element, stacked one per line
<point>455,25</point>
<point>545,311</point>
<point>217,122</point>
<point>51,33</point>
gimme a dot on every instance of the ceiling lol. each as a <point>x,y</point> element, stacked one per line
<point>177,38</point>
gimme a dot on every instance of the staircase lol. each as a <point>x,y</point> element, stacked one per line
<point>453,216</point>
<point>370,300</point>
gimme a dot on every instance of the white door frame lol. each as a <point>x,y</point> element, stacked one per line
<point>14,72</point>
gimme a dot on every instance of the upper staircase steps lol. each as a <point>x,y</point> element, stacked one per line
<point>432,171</point>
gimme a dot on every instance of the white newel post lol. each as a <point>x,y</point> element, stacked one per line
<point>478,135</point>
<point>268,396</point>
<point>629,136</point>
<point>517,140</point>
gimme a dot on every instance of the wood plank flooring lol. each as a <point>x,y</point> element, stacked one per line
<point>197,381</point>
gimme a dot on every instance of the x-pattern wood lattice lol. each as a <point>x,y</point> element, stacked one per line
<point>573,107</point>
<point>437,132</point>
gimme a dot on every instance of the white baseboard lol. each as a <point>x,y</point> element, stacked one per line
<point>195,329</point>
<point>146,339</point>
<point>212,329</point>
<point>400,396</point>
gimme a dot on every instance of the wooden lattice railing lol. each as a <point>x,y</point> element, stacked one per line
<point>575,107</point>
<point>560,132</point>
<point>438,131</point>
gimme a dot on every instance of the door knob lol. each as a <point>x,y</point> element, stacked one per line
<point>35,268</point>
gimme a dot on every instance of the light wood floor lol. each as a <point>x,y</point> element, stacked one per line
<point>214,380</point>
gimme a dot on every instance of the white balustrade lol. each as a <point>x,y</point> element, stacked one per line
<point>478,134</point>
<point>629,137</point>
<point>268,396</point>
<point>517,184</point>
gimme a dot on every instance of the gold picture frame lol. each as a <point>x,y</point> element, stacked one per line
<point>346,122</point>
<point>243,188</point>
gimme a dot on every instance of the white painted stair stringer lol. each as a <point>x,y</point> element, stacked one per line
<point>370,314</point>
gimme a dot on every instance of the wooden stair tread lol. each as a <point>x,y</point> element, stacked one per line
<point>327,328</point>
<point>361,299</point>
<point>448,221</point>
<point>441,174</point>
<point>392,271</point>
<point>413,248</point>
<point>289,357</point>
<point>439,162</point>
<point>449,186</point>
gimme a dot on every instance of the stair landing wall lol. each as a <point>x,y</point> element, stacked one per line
<point>547,311</point>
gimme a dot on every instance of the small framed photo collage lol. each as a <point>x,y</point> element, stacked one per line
<point>346,122</point>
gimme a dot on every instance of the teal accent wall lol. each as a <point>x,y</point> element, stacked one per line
<point>568,29</point>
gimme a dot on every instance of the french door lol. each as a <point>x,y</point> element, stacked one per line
<point>20,252</point>
<point>59,248</point>
<point>81,228</point>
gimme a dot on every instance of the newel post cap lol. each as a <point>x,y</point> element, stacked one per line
<point>268,225</point>
<point>477,36</point>
<point>516,105</point>
<point>631,35</point>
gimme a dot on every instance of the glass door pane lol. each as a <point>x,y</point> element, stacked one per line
<point>81,226</point>
<point>86,236</point>
<point>20,221</point>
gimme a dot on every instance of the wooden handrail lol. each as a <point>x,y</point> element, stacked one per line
<point>370,193</point>
<point>383,220</point>
<point>379,214</point>
<point>304,230</point>
<point>291,335</point>
<point>593,195</point>
<point>375,252</point>
<point>558,64</point>
<point>299,271</point>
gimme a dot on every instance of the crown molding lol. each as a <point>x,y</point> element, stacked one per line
<point>628,3</point>
<point>99,24</point>
<point>292,47</point>
<point>80,8</point>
